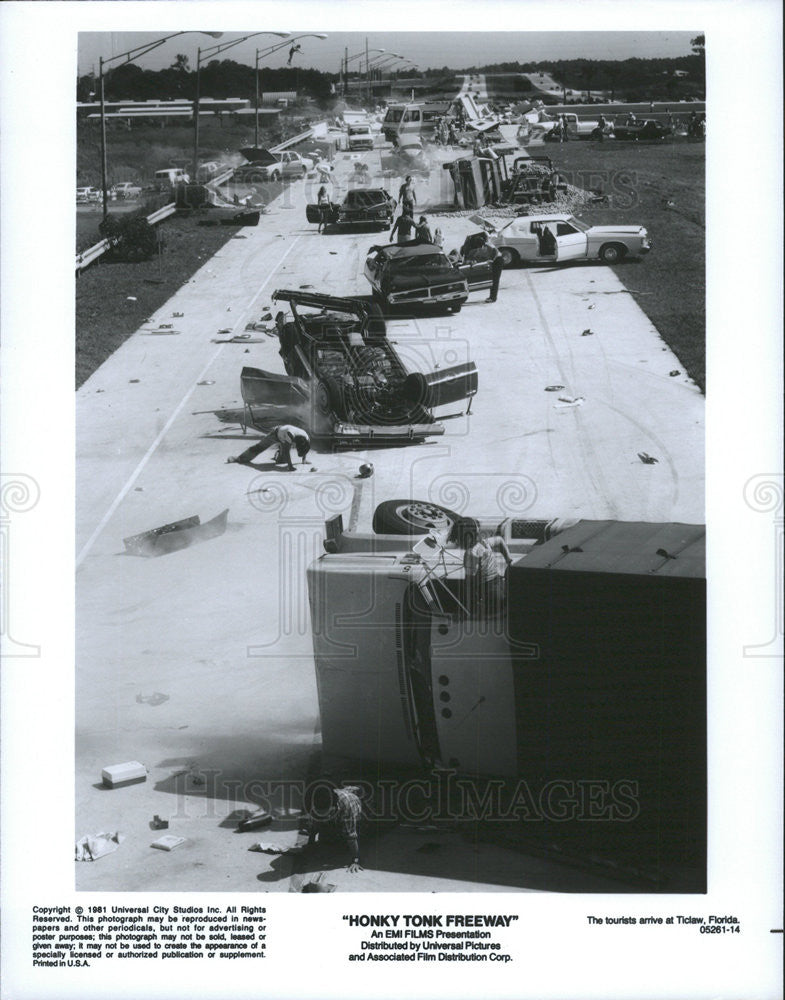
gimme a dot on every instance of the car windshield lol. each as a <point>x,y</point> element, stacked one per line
<point>578,225</point>
<point>427,262</point>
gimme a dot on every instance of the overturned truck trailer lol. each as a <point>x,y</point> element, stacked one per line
<point>584,696</point>
<point>345,381</point>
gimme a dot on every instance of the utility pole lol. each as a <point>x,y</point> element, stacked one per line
<point>367,68</point>
<point>103,141</point>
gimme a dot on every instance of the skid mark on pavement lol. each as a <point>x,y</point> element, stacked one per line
<point>162,433</point>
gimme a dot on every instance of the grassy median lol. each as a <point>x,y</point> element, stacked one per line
<point>662,187</point>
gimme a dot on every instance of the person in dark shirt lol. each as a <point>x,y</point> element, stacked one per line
<point>487,251</point>
<point>403,226</point>
<point>422,232</point>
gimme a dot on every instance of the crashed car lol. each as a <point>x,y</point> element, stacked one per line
<point>344,379</point>
<point>648,129</point>
<point>556,237</point>
<point>361,207</point>
<point>408,158</point>
<point>264,165</point>
<point>422,274</point>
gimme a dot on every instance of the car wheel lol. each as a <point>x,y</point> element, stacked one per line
<point>612,253</point>
<point>509,257</point>
<point>305,170</point>
<point>412,517</point>
<point>275,175</point>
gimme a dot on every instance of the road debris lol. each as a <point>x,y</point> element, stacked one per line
<point>97,845</point>
<point>674,373</point>
<point>168,842</point>
<point>253,820</point>
<point>175,536</point>
<point>553,388</point>
<point>647,459</point>
<point>131,772</point>
<point>568,401</point>
<point>159,824</point>
<point>207,381</point>
<point>267,848</point>
<point>587,332</point>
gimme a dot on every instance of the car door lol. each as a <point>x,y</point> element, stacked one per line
<point>519,237</point>
<point>571,243</point>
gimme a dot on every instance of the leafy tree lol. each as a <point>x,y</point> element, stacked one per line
<point>698,44</point>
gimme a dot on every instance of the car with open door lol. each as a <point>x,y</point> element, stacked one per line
<point>421,274</point>
<point>371,207</point>
<point>557,238</point>
<point>345,381</point>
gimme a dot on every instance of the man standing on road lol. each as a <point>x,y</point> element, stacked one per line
<point>487,251</point>
<point>285,436</point>
<point>403,226</point>
<point>407,196</point>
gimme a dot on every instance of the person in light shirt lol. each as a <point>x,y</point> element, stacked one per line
<point>286,437</point>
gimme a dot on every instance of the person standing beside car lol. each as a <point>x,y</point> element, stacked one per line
<point>403,226</point>
<point>487,251</point>
<point>324,205</point>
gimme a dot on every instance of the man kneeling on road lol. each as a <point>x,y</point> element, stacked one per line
<point>338,823</point>
<point>284,436</point>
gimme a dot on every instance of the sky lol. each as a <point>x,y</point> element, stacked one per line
<point>426,49</point>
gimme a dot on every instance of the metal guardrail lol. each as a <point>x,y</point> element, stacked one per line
<point>93,253</point>
<point>87,257</point>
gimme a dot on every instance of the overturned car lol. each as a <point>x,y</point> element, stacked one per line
<point>345,381</point>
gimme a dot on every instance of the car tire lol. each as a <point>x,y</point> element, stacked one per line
<point>305,170</point>
<point>510,257</point>
<point>275,175</point>
<point>411,517</point>
<point>612,253</point>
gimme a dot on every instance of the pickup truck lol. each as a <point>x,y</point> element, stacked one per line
<point>359,137</point>
<point>265,165</point>
<point>546,126</point>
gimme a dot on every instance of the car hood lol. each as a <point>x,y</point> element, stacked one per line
<point>255,154</point>
<point>616,231</point>
<point>419,279</point>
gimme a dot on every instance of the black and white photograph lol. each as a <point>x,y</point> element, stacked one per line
<point>399,519</point>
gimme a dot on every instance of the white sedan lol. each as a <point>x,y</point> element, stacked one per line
<point>563,237</point>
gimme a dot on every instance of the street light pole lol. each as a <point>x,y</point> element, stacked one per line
<point>128,56</point>
<point>103,140</point>
<point>215,50</point>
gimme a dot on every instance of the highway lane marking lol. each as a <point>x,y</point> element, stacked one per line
<point>162,433</point>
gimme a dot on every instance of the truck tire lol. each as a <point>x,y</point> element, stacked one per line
<point>509,256</point>
<point>411,517</point>
<point>612,253</point>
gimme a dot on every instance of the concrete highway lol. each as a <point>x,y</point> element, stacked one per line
<point>199,663</point>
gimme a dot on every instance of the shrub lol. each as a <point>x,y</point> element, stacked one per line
<point>131,237</point>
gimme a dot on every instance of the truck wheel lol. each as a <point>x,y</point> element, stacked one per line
<point>612,253</point>
<point>510,257</point>
<point>412,517</point>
